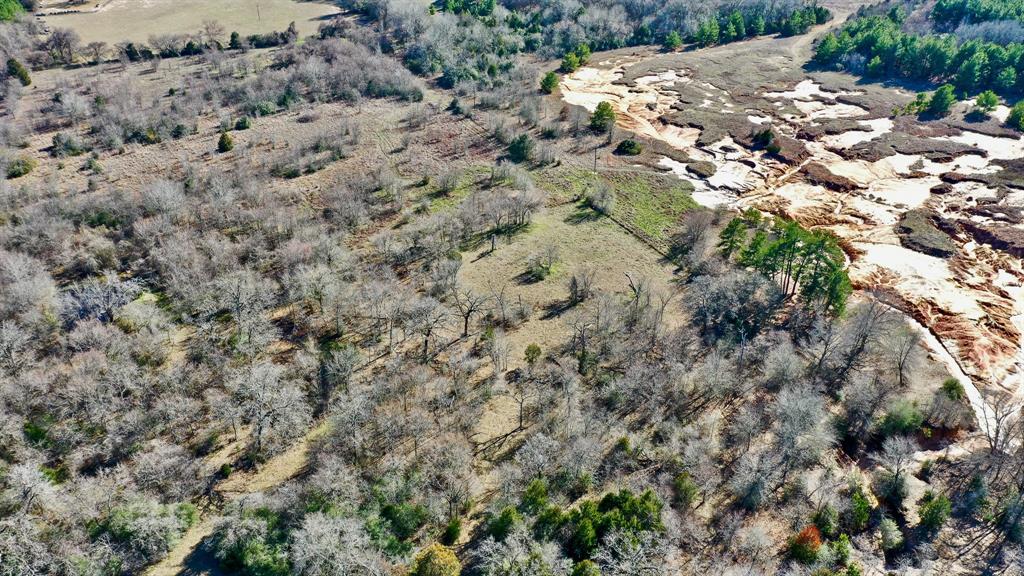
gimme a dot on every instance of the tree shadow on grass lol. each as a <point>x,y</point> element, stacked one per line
<point>582,215</point>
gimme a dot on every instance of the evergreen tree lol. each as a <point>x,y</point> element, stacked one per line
<point>17,70</point>
<point>603,117</point>
<point>549,83</point>
<point>673,41</point>
<point>986,102</point>
<point>942,100</point>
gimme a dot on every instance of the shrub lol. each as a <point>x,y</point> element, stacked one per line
<point>986,102</point>
<point>549,83</point>
<point>533,353</point>
<point>225,144</point>
<point>827,520</point>
<point>570,63</point>
<point>501,525</point>
<point>586,568</point>
<point>436,560</point>
<point>452,531</point>
<point>892,537</point>
<point>521,148</point>
<point>859,512</point>
<point>673,41</point>
<point>17,70</point>
<point>684,491</point>
<point>1015,119</point>
<point>624,511</point>
<point>629,147</point>
<point>942,100</point>
<point>841,550</point>
<point>903,419</point>
<point>20,167</point>
<point>243,123</point>
<point>603,117</point>
<point>601,198</point>
<point>954,389</point>
<point>804,546</point>
<point>535,498</point>
<point>935,510</point>
<point>405,518</point>
<point>66,145</point>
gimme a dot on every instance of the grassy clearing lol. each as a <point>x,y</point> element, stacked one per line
<point>117,20</point>
<point>649,202</point>
<point>441,201</point>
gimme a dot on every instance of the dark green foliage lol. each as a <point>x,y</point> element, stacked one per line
<point>264,555</point>
<point>942,100</point>
<point>804,546</point>
<point>603,117</point>
<point>17,70</point>
<point>20,167</point>
<point>243,123</point>
<point>586,568</point>
<point>950,13</point>
<point>535,498</point>
<point>859,512</point>
<point>549,83</point>
<point>672,41</point>
<point>405,518</point>
<point>452,531</point>
<point>549,522</point>
<point>827,520</point>
<point>934,511</point>
<point>473,7</point>
<point>624,510</point>
<point>684,491</point>
<point>1015,119</point>
<point>235,43</point>
<point>732,237</point>
<point>521,148</point>
<point>570,63</point>
<point>973,66</point>
<point>225,144</point>
<point>9,9</point>
<point>953,389</point>
<point>499,526</point>
<point>903,419</point>
<point>629,148</point>
<point>808,263</point>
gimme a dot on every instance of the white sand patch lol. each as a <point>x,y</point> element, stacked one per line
<point>679,137</point>
<point>878,126</point>
<point>965,164</point>
<point>662,79</point>
<point>905,193</point>
<point>1015,198</point>
<point>808,90</point>
<point>927,277</point>
<point>1001,113</point>
<point>803,195</point>
<point>733,175</point>
<point>702,193</point>
<point>997,147</point>
<point>758,119</point>
<point>815,109</point>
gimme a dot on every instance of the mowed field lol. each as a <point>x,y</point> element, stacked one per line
<point>136,20</point>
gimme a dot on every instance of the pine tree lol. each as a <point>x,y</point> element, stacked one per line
<point>17,70</point>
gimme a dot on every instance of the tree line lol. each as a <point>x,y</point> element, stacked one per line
<point>877,47</point>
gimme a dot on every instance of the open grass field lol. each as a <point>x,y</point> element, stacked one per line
<point>113,21</point>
